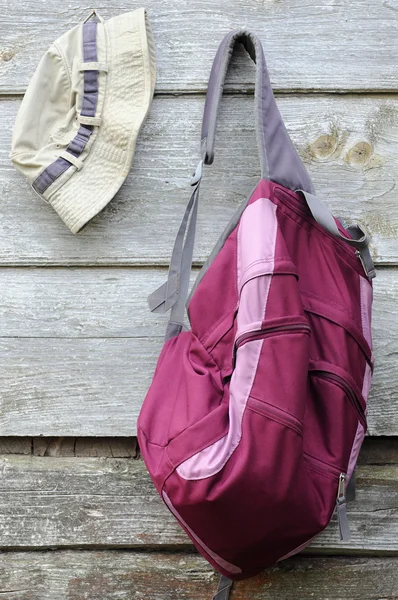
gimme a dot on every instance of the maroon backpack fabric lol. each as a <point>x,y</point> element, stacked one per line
<point>253,423</point>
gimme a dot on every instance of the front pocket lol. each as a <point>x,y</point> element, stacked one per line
<point>334,408</point>
<point>351,395</point>
<point>322,468</point>
<point>257,334</point>
<point>275,414</point>
<point>273,360</point>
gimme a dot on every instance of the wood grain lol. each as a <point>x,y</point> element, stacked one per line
<point>349,144</point>
<point>79,346</point>
<point>111,502</point>
<point>118,575</point>
<point>309,45</point>
<point>70,387</point>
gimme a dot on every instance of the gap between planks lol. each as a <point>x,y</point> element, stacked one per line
<point>381,450</point>
<point>109,447</point>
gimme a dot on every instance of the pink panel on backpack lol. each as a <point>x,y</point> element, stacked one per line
<point>366,291</point>
<point>256,244</point>
<point>366,308</point>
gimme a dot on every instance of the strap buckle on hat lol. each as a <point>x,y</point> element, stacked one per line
<point>73,160</point>
<point>92,121</point>
<point>93,66</point>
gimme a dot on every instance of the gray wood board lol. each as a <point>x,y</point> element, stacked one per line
<point>111,502</point>
<point>349,144</point>
<point>78,348</point>
<point>118,575</point>
<point>309,45</point>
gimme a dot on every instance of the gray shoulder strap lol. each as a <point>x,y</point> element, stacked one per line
<point>224,588</point>
<point>278,158</point>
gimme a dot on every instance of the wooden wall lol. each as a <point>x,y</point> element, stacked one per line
<point>79,518</point>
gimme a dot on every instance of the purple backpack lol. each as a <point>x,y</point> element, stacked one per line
<point>254,420</point>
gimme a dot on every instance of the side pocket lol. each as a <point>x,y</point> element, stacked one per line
<point>335,406</point>
<point>280,373</point>
<point>275,414</point>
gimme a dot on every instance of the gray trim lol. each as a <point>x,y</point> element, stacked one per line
<point>89,107</point>
<point>278,158</point>
<point>224,588</point>
<point>344,527</point>
<point>359,238</point>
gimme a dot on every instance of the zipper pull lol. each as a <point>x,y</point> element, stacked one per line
<point>341,508</point>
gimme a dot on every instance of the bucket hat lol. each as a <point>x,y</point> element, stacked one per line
<point>76,130</point>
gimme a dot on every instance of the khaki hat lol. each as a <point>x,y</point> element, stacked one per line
<point>76,130</point>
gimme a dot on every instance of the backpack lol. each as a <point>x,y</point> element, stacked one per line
<point>256,413</point>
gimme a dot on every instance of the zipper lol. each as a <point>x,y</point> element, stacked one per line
<point>260,333</point>
<point>321,467</point>
<point>341,500</point>
<point>341,509</point>
<point>275,414</point>
<point>349,391</point>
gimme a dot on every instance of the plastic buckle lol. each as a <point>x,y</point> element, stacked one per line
<point>197,176</point>
<point>366,262</point>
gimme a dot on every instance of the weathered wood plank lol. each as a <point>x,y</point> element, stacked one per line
<point>309,45</point>
<point>350,145</point>
<point>98,302</point>
<point>74,387</point>
<point>110,502</point>
<point>104,302</point>
<point>66,575</point>
<point>79,347</point>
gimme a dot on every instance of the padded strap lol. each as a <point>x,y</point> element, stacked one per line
<point>224,588</point>
<point>359,238</point>
<point>279,162</point>
<point>278,158</point>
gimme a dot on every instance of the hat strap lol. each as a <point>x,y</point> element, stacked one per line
<point>88,111</point>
